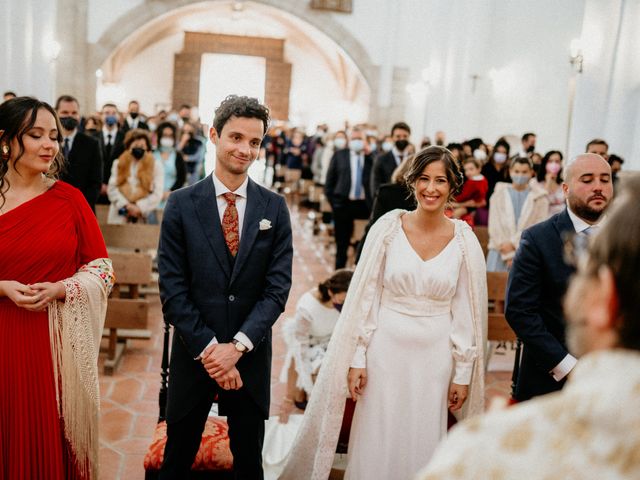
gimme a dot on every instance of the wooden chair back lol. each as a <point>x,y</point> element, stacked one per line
<point>132,236</point>
<point>499,329</point>
<point>482,233</point>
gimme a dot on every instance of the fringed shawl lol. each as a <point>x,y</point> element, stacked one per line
<point>314,449</point>
<point>75,328</point>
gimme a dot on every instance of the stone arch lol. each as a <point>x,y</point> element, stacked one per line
<point>140,15</point>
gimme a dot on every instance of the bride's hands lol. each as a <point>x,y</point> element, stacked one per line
<point>357,380</point>
<point>457,395</point>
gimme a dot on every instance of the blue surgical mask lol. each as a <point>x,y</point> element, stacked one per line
<point>387,146</point>
<point>111,120</point>
<point>499,157</point>
<point>340,143</point>
<point>520,179</point>
<point>356,145</point>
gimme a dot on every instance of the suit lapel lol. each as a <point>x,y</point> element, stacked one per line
<point>253,213</point>
<point>204,199</point>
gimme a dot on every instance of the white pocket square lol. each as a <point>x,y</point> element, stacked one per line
<point>264,224</point>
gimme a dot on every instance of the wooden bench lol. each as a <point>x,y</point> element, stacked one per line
<point>127,312</point>
<point>482,233</point>
<point>499,329</point>
<point>132,236</point>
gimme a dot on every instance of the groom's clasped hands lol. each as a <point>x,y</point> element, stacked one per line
<point>219,361</point>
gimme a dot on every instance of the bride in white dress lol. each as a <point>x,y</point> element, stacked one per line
<point>410,337</point>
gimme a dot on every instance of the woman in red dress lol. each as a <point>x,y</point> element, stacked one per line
<point>54,281</point>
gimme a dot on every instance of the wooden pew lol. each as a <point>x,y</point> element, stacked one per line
<point>499,329</point>
<point>125,309</point>
<point>132,236</point>
<point>482,233</point>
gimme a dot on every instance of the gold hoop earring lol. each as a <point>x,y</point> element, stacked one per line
<point>5,152</point>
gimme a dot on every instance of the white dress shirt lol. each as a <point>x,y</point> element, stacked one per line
<point>241,206</point>
<point>397,155</point>
<point>354,159</point>
<point>105,135</point>
<point>71,138</point>
<point>566,365</point>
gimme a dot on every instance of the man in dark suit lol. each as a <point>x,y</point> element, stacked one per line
<point>386,163</point>
<point>111,141</point>
<point>83,158</point>
<point>348,190</point>
<point>133,118</point>
<point>224,260</point>
<point>539,277</point>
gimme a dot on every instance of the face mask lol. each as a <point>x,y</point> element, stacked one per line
<point>480,155</point>
<point>373,147</point>
<point>520,179</point>
<point>340,143</point>
<point>402,144</point>
<point>387,146</point>
<point>337,306</point>
<point>134,115</point>
<point>69,123</point>
<point>498,157</point>
<point>173,117</point>
<point>166,142</point>
<point>138,153</point>
<point>531,148</point>
<point>553,168</point>
<point>185,119</point>
<point>111,120</point>
<point>356,145</point>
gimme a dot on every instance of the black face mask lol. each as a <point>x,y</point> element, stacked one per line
<point>138,153</point>
<point>337,306</point>
<point>69,123</point>
<point>402,144</point>
<point>531,148</point>
<point>134,115</point>
<point>186,119</point>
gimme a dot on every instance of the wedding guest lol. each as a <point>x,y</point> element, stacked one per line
<point>549,178</point>
<point>136,182</point>
<point>474,190</point>
<point>514,207</point>
<point>175,173</point>
<point>54,281</point>
<point>307,337</point>
<point>589,429</point>
<point>408,344</point>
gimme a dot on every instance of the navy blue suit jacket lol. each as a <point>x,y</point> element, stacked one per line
<point>206,293</point>
<point>537,283</point>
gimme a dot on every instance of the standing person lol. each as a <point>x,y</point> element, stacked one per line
<point>111,140</point>
<point>136,182</point>
<point>527,145</point>
<point>134,119</point>
<point>193,151</point>
<point>589,429</point>
<point>347,189</point>
<point>497,167</point>
<point>599,147</point>
<point>539,277</point>
<point>549,178</point>
<point>175,173</point>
<point>387,162</point>
<point>54,281</point>
<point>409,341</point>
<point>514,207</point>
<point>83,156</point>
<point>224,260</point>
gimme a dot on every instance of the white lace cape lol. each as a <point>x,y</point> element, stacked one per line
<point>314,448</point>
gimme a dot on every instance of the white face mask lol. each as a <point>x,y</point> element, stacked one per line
<point>479,155</point>
<point>166,142</point>
<point>339,143</point>
<point>499,157</point>
<point>387,146</point>
<point>356,144</point>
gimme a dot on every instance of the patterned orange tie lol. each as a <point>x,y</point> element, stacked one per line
<point>230,223</point>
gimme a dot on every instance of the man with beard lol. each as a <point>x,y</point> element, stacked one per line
<point>539,277</point>
<point>589,430</point>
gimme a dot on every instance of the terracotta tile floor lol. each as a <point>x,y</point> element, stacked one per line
<point>129,408</point>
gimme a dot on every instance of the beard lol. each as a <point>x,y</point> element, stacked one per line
<point>584,211</point>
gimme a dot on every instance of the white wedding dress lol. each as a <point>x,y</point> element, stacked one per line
<point>414,344</point>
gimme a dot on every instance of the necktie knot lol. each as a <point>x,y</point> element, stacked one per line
<point>230,198</point>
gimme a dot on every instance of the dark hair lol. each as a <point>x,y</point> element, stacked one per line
<point>505,145</point>
<point>9,92</point>
<point>400,126</point>
<point>164,125</point>
<point>521,161</point>
<point>137,134</point>
<point>596,141</point>
<point>429,155</point>
<point>615,158</point>
<point>454,146</point>
<point>65,98</point>
<point>17,116</point>
<point>617,247</point>
<point>184,105</point>
<point>542,171</point>
<point>134,101</point>
<point>526,136</point>
<point>336,283</point>
<point>474,143</point>
<point>109,105</point>
<point>235,106</point>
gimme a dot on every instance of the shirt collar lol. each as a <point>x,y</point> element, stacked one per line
<point>579,224</point>
<point>221,188</point>
<point>72,136</point>
<point>106,131</point>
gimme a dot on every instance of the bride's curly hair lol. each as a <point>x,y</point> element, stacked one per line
<point>429,155</point>
<point>17,117</point>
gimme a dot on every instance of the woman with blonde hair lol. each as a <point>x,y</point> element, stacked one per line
<point>136,183</point>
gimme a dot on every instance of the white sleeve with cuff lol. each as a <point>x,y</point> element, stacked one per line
<point>564,367</point>
<point>240,337</point>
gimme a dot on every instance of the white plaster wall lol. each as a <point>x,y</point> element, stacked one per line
<point>102,13</point>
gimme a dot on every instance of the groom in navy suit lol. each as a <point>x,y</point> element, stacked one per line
<point>539,277</point>
<point>224,259</point>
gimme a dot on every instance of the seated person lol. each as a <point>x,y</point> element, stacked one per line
<point>474,190</point>
<point>514,207</point>
<point>307,336</point>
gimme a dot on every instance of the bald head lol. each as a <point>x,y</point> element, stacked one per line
<point>587,186</point>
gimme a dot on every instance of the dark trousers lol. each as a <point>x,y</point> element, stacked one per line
<point>343,217</point>
<point>246,436</point>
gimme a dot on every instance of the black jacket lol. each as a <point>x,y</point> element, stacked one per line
<point>83,167</point>
<point>338,183</point>
<point>383,167</point>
